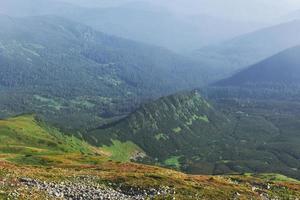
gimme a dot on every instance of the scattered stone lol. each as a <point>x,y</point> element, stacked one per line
<point>87,188</point>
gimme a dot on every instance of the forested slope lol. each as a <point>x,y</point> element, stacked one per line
<point>60,69</point>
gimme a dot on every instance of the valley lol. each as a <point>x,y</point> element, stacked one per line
<point>79,74</point>
<point>149,100</point>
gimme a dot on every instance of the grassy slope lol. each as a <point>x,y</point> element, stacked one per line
<point>121,151</point>
<point>29,141</point>
<point>186,187</point>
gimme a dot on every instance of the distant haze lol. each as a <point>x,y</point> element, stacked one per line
<point>245,10</point>
<point>235,9</point>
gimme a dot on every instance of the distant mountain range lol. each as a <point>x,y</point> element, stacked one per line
<point>59,68</point>
<point>160,27</point>
<point>280,69</point>
<point>295,15</point>
<point>244,10</point>
<point>234,55</point>
<point>139,21</point>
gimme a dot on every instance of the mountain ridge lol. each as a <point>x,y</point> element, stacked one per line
<point>176,32</point>
<point>186,132</point>
<point>236,54</point>
<point>281,68</point>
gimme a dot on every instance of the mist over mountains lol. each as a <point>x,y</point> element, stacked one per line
<point>53,60</point>
<point>242,10</point>
<point>236,54</point>
<point>141,21</point>
<point>280,69</point>
<point>125,99</point>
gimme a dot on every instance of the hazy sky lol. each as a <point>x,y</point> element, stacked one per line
<point>252,10</point>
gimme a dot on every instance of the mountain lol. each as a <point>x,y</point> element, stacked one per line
<point>166,127</point>
<point>75,77</point>
<point>295,15</point>
<point>140,21</point>
<point>280,69</point>
<point>186,132</point>
<point>266,94</point>
<point>175,32</point>
<point>246,11</point>
<point>233,55</point>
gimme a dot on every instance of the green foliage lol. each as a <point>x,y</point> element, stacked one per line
<point>274,177</point>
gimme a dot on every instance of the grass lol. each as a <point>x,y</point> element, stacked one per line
<point>186,187</point>
<point>121,151</point>
<point>25,131</point>
<point>275,177</point>
<point>173,162</point>
<point>29,141</point>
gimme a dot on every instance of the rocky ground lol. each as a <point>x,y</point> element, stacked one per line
<point>87,188</point>
<point>129,181</point>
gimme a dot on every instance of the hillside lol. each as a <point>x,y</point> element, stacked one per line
<point>236,54</point>
<point>279,71</point>
<point>165,128</point>
<point>184,131</point>
<point>39,162</point>
<point>32,142</point>
<point>63,70</point>
<point>115,181</point>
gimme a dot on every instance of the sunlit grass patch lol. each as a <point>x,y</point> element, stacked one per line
<point>173,162</point>
<point>121,151</point>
